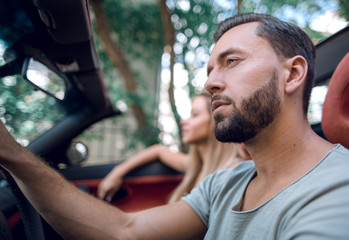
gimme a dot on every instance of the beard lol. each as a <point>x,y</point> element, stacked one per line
<point>256,112</point>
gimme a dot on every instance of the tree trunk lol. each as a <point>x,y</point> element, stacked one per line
<point>117,57</point>
<point>239,7</point>
<point>169,36</point>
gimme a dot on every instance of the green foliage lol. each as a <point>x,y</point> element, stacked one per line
<point>148,134</point>
<point>26,112</point>
<point>194,25</point>
<point>344,9</point>
<point>300,12</point>
<point>274,6</point>
<point>314,35</point>
<point>137,27</point>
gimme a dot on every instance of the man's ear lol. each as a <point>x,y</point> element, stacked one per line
<point>298,68</point>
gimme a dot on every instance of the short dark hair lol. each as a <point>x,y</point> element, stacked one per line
<point>287,39</point>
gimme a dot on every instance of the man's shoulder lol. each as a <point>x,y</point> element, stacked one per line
<point>335,165</point>
<point>337,158</point>
<point>341,151</point>
<point>330,173</point>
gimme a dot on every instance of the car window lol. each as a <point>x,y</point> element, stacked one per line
<point>25,112</point>
<point>108,141</point>
<point>317,99</point>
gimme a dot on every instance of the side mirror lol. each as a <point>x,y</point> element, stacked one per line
<point>44,79</point>
<point>77,153</point>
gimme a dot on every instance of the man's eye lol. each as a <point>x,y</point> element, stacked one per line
<point>232,62</point>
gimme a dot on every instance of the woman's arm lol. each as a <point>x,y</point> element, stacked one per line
<point>112,182</point>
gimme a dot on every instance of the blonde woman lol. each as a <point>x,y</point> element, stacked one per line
<point>206,154</point>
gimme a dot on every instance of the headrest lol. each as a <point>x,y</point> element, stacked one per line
<point>335,110</point>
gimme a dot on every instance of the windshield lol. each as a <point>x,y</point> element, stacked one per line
<point>25,112</point>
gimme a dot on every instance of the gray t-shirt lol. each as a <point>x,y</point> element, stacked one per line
<point>316,206</point>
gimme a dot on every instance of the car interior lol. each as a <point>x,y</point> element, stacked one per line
<point>59,36</point>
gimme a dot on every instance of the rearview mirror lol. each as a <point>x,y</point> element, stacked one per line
<point>45,79</point>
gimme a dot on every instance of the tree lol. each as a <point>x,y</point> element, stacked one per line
<point>303,11</point>
<point>169,37</point>
<point>193,24</point>
<point>344,9</point>
<point>114,31</point>
<point>117,57</point>
<point>198,29</point>
<point>26,112</point>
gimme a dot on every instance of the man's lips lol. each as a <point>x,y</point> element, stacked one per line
<point>217,104</point>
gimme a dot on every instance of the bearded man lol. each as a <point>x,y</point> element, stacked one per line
<point>260,76</point>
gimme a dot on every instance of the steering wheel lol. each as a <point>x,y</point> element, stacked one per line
<point>31,219</point>
<point>5,231</point>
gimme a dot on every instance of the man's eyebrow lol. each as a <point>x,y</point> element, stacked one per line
<point>222,55</point>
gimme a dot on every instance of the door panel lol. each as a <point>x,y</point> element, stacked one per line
<point>137,193</point>
<point>145,187</point>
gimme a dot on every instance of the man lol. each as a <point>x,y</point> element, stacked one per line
<point>259,75</point>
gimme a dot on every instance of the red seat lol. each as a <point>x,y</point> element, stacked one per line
<point>335,111</point>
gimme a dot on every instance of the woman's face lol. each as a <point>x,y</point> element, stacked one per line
<point>196,128</point>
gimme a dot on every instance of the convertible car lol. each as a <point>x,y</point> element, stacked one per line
<point>50,46</point>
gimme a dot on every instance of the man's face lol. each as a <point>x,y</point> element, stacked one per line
<point>256,112</point>
<point>243,73</point>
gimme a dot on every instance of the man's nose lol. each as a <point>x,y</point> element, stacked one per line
<point>214,83</point>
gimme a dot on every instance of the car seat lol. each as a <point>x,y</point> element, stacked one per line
<point>335,110</point>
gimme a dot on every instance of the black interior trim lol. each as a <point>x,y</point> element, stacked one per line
<point>329,53</point>
<point>99,171</point>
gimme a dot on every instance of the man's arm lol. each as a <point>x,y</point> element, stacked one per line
<point>77,215</point>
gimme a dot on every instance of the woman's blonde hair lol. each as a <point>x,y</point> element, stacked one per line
<point>218,153</point>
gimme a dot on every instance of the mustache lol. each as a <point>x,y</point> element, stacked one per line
<point>222,98</point>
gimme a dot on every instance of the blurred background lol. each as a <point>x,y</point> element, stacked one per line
<point>153,55</point>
